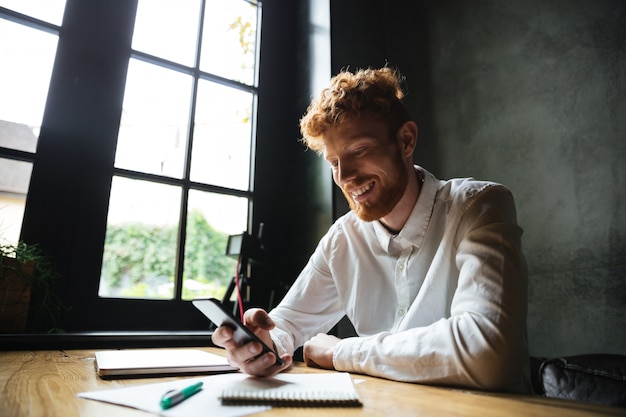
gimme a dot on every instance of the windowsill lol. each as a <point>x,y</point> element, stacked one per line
<point>105,340</point>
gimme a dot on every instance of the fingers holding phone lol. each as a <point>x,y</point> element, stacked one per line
<point>250,357</point>
<point>248,346</point>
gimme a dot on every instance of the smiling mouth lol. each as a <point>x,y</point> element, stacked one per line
<point>360,191</point>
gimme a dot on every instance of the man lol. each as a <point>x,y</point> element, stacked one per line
<point>429,272</point>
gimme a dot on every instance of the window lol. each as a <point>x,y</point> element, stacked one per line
<point>183,163</point>
<point>87,181</point>
<point>29,32</point>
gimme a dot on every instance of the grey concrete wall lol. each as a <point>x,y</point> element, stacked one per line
<point>531,94</point>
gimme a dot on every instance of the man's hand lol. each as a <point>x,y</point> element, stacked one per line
<point>318,351</point>
<point>246,357</point>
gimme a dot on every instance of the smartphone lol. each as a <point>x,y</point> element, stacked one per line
<point>220,316</point>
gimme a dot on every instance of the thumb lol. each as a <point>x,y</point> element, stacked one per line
<point>258,317</point>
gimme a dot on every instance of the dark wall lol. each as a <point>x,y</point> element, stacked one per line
<point>292,192</point>
<point>533,95</point>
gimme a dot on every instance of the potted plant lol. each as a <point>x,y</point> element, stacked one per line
<point>25,271</point>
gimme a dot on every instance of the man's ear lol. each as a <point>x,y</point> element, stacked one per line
<point>407,137</point>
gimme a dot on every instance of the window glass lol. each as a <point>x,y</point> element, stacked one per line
<point>155,118</point>
<point>27,56</point>
<point>229,39</point>
<point>50,11</point>
<point>168,29</point>
<point>222,136</point>
<point>210,220</point>
<point>140,247</point>
<point>14,180</point>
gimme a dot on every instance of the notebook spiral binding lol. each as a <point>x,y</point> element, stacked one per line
<point>290,399</point>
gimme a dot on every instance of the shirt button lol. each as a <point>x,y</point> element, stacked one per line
<point>401,312</point>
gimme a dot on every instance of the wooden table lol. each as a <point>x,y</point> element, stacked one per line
<point>45,383</point>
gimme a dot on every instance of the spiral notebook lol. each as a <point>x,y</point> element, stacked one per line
<point>334,389</point>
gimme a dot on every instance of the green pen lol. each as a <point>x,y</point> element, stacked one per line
<point>173,397</point>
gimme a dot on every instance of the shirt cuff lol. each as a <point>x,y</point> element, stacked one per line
<point>282,342</point>
<point>346,356</point>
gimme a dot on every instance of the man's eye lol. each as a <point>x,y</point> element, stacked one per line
<point>333,164</point>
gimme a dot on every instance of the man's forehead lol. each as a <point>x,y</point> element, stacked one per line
<point>334,146</point>
<point>356,128</point>
<point>355,132</point>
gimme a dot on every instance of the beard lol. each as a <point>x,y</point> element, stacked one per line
<point>390,191</point>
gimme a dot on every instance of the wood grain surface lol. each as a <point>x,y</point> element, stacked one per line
<point>45,383</point>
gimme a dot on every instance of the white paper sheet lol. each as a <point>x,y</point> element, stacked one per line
<point>206,402</point>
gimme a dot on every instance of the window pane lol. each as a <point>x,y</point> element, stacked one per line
<point>140,248</point>
<point>222,136</point>
<point>50,11</point>
<point>229,39</point>
<point>27,56</point>
<point>155,119</point>
<point>168,29</point>
<point>14,180</point>
<point>211,219</point>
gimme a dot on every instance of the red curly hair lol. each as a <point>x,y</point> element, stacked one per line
<point>375,92</point>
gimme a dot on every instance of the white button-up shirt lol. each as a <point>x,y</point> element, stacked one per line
<point>442,302</point>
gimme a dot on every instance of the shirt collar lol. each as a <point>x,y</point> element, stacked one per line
<point>417,223</point>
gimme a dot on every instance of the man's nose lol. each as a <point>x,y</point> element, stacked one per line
<point>346,172</point>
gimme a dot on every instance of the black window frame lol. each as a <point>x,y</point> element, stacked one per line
<point>66,208</point>
<point>185,183</point>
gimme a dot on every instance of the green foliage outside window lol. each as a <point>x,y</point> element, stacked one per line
<point>139,260</point>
